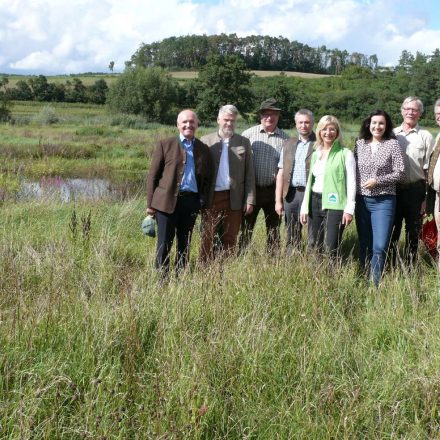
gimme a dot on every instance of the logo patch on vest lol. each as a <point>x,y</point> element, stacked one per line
<point>333,198</point>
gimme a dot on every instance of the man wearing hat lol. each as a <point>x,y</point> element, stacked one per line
<point>267,141</point>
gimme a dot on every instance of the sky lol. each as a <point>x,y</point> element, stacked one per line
<point>77,36</point>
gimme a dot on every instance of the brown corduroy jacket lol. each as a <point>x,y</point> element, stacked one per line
<point>241,169</point>
<point>166,172</point>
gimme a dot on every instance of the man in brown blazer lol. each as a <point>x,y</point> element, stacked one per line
<point>232,192</point>
<point>178,185</point>
<point>293,170</point>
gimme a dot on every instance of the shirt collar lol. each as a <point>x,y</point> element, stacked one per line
<point>277,131</point>
<point>219,136</point>
<point>414,129</point>
<point>184,140</point>
<point>311,138</point>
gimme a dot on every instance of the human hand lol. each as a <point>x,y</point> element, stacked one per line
<point>303,218</point>
<point>346,219</point>
<point>423,208</point>
<point>370,184</point>
<point>248,209</point>
<point>279,208</point>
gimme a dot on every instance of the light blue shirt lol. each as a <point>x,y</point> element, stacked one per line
<point>222,181</point>
<point>189,182</point>
<point>299,177</point>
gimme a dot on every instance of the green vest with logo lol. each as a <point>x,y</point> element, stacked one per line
<point>334,193</point>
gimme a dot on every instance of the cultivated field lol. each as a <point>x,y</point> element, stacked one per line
<point>262,73</point>
<point>89,79</point>
<point>86,79</point>
<point>284,348</point>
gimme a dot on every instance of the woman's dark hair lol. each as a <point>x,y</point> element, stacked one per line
<point>364,132</point>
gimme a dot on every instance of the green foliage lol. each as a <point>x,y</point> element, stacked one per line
<point>43,90</point>
<point>9,185</point>
<point>38,88</point>
<point>22,91</point>
<point>291,93</point>
<point>149,92</point>
<point>298,348</point>
<point>130,121</point>
<point>223,80</point>
<point>5,103</point>
<point>47,116</point>
<point>75,91</point>
<point>259,52</point>
<point>97,93</point>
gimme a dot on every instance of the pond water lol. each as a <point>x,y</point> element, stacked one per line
<point>70,189</point>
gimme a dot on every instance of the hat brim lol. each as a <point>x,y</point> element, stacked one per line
<point>271,108</point>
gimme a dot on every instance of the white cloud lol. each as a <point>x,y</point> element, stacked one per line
<point>35,60</point>
<point>60,36</point>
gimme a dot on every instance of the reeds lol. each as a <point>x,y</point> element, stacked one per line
<point>253,347</point>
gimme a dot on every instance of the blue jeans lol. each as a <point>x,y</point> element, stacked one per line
<point>374,223</point>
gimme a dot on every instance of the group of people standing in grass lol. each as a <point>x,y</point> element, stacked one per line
<point>311,179</point>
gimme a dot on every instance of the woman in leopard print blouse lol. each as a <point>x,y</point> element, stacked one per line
<point>380,164</point>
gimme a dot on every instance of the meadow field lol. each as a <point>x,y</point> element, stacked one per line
<point>89,78</point>
<point>93,347</point>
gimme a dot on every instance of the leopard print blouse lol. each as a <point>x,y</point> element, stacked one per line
<point>387,166</point>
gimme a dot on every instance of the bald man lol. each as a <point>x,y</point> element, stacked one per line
<point>178,184</point>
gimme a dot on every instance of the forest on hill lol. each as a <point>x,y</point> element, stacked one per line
<point>259,52</point>
<point>224,63</point>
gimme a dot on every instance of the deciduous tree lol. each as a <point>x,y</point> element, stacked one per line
<point>223,80</point>
<point>150,92</point>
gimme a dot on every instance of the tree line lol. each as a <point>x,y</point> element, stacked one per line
<point>259,52</point>
<point>154,94</point>
<point>38,88</point>
<point>226,79</point>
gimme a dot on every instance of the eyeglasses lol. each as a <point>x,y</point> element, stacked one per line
<point>410,110</point>
<point>268,115</point>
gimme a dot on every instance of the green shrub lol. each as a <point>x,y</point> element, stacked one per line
<point>47,116</point>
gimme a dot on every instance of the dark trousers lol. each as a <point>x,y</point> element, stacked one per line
<point>265,200</point>
<point>325,226</point>
<point>219,214</point>
<point>292,208</point>
<point>409,199</point>
<point>179,224</point>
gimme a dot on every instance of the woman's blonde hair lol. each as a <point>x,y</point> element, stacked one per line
<point>323,122</point>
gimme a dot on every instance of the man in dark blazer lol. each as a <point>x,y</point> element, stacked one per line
<point>232,192</point>
<point>293,171</point>
<point>178,184</point>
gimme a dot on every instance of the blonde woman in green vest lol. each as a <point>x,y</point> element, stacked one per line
<point>330,194</point>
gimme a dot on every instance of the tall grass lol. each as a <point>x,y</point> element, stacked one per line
<point>94,347</point>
